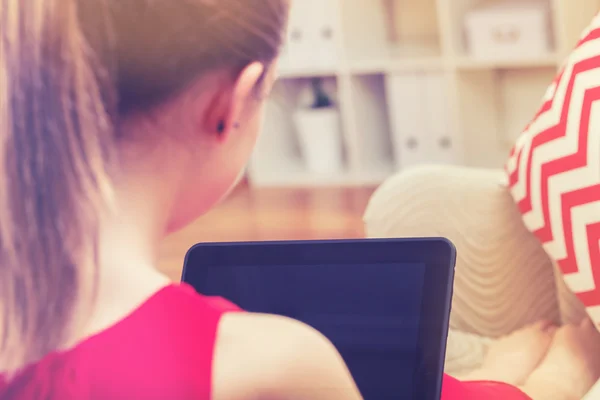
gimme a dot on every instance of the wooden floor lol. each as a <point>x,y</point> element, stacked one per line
<point>272,214</point>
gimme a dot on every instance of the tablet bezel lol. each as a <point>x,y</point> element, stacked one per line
<point>437,254</point>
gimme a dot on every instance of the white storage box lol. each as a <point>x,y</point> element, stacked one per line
<point>509,30</point>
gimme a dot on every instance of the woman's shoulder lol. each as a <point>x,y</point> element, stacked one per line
<point>269,355</point>
<point>277,357</point>
<point>164,346</point>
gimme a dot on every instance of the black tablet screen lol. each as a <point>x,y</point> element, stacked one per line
<point>371,313</point>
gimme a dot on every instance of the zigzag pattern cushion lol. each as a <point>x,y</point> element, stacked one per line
<point>554,171</point>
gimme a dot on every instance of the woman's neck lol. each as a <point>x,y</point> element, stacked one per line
<point>129,238</point>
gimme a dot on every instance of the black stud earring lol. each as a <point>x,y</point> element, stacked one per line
<point>221,127</point>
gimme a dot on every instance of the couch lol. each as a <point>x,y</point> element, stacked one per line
<point>504,279</point>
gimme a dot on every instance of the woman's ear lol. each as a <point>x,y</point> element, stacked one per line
<point>226,110</point>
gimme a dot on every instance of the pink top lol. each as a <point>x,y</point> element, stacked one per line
<point>163,350</point>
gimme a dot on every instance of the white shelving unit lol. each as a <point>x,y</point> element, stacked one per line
<point>389,60</point>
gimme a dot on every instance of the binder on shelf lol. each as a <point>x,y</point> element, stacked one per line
<point>296,53</point>
<point>406,102</point>
<point>313,38</point>
<point>442,143</point>
<point>325,33</point>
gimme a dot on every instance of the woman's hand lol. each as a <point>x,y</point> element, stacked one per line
<point>571,367</point>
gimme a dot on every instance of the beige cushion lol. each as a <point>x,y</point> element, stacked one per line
<point>504,279</point>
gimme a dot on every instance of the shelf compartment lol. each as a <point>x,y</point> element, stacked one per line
<point>390,34</point>
<point>494,108</point>
<point>470,63</point>
<point>571,18</point>
<point>460,9</point>
<point>521,93</point>
<point>278,159</point>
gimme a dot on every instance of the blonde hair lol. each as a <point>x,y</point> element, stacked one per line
<point>69,71</point>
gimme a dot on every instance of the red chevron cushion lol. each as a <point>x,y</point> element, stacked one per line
<point>554,171</point>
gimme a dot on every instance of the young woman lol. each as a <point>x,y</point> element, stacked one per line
<point>122,121</point>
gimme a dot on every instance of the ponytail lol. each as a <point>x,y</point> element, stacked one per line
<point>55,137</point>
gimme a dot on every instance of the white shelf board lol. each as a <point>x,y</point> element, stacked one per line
<point>423,54</point>
<point>295,73</point>
<point>373,175</point>
<point>384,66</point>
<point>294,174</point>
<point>473,63</point>
<point>390,63</point>
<point>297,176</point>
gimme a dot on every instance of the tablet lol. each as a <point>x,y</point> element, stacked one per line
<point>384,304</point>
